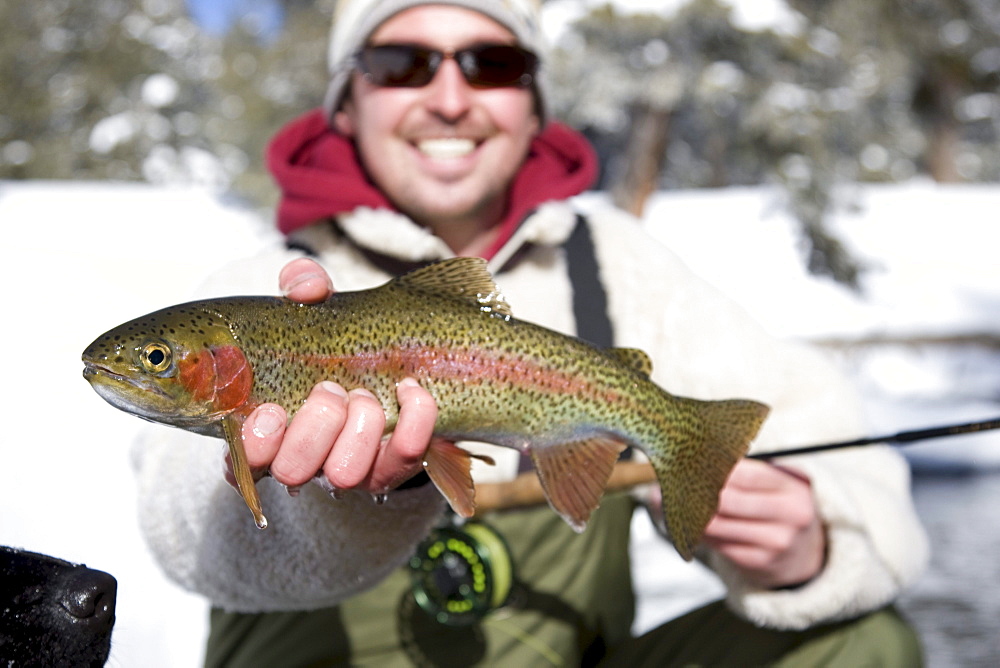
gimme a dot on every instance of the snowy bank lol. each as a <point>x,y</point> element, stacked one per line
<point>78,258</point>
<point>923,337</point>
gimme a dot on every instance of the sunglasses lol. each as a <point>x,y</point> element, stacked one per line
<point>483,66</point>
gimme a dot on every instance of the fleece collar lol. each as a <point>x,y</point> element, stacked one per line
<point>320,176</point>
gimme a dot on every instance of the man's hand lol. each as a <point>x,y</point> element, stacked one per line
<point>767,525</point>
<point>336,432</point>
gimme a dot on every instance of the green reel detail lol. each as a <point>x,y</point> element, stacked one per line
<point>461,573</point>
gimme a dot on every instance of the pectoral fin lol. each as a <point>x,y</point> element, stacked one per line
<point>575,474</point>
<point>232,426</point>
<point>449,468</point>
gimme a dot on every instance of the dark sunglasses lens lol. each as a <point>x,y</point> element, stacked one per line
<point>499,65</point>
<point>393,65</point>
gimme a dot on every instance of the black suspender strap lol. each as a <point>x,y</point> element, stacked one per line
<point>590,301</point>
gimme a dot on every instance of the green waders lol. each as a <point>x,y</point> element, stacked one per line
<point>571,605</point>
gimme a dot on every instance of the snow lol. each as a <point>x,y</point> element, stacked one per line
<point>160,90</point>
<point>931,274</point>
<point>165,164</point>
<point>79,258</point>
<point>929,251</point>
<point>755,16</point>
<point>762,15</point>
<point>113,130</point>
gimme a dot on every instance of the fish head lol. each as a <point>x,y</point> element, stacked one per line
<point>180,366</point>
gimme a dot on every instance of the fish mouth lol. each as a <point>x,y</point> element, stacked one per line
<point>92,371</point>
<point>95,372</point>
<point>103,379</point>
<point>146,400</point>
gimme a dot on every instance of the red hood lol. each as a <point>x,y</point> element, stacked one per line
<point>320,176</point>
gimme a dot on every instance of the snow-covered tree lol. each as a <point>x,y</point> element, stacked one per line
<point>266,81</point>
<point>105,89</point>
<point>702,94</point>
<point>932,69</point>
<point>840,91</point>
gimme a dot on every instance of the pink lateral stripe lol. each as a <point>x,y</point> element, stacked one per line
<point>466,365</point>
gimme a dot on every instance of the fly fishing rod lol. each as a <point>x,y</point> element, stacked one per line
<point>900,438</point>
<point>526,490</point>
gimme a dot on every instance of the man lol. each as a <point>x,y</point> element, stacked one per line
<point>434,143</point>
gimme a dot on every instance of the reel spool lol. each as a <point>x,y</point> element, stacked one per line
<point>461,573</point>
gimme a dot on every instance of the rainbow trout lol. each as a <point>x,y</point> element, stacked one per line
<point>205,365</point>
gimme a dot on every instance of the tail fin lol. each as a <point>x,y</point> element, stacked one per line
<point>703,447</point>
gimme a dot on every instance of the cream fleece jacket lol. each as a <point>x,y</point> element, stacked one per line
<point>318,551</point>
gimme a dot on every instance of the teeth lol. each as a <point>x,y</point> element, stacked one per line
<point>446,148</point>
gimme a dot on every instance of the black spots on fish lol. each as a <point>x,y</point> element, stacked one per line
<point>189,327</point>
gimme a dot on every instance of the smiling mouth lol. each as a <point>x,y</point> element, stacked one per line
<point>446,148</point>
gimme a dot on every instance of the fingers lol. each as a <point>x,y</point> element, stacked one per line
<point>759,500</point>
<point>340,434</point>
<point>356,446</point>
<point>753,474</point>
<point>385,464</point>
<point>262,433</point>
<point>403,454</point>
<point>768,526</point>
<point>772,537</point>
<point>304,281</point>
<point>311,435</point>
<point>764,492</point>
<point>773,556</point>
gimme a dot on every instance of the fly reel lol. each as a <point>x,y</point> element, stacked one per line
<point>461,573</point>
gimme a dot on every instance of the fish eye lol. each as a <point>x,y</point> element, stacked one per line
<point>155,357</point>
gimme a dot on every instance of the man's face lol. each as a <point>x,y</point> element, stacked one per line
<point>444,153</point>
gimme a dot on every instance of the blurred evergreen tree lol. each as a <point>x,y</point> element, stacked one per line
<point>860,90</point>
<point>103,89</point>
<point>270,82</point>
<point>933,71</point>
<point>857,90</point>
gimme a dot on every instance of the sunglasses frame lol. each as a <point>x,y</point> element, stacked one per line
<point>425,63</point>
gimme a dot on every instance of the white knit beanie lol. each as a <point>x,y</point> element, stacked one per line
<point>355,20</point>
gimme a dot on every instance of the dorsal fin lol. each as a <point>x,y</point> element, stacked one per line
<point>462,278</point>
<point>632,357</point>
